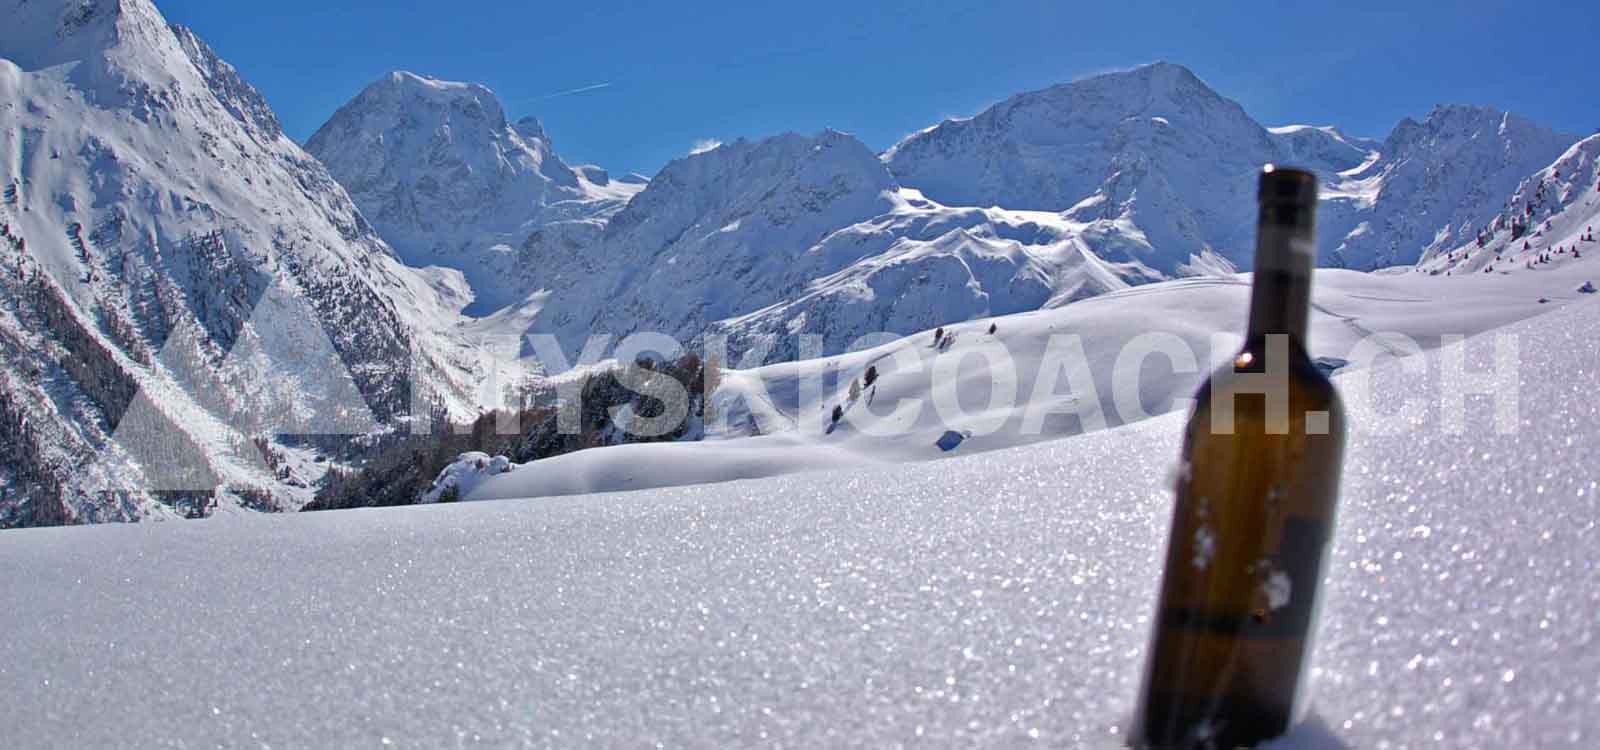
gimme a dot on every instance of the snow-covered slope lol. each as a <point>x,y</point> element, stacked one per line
<point>922,264</point>
<point>1546,225</point>
<point>767,240</point>
<point>151,201</point>
<point>990,601</point>
<point>447,180</point>
<point>1324,149</point>
<point>1162,163</point>
<point>1164,166</point>
<point>1434,184</point>
<point>1040,376</point>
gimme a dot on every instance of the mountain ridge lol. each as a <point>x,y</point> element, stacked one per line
<point>1125,177</point>
<point>427,235</point>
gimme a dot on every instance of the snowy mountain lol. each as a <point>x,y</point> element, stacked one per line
<point>1091,186</point>
<point>183,275</point>
<point>763,241</point>
<point>1158,162</point>
<point>759,240</point>
<point>1118,179</point>
<point>715,233</point>
<point>447,180</point>
<point>1163,167</point>
<point>1547,223</point>
<point>1434,183</point>
<point>1323,149</point>
<point>180,279</point>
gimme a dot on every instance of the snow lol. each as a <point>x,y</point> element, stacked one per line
<point>1000,600</point>
<point>902,418</point>
<point>1160,150</point>
<point>1432,179</point>
<point>1559,205</point>
<point>815,585</point>
<point>464,475</point>
<point>1164,164</point>
<point>1322,148</point>
<point>447,180</point>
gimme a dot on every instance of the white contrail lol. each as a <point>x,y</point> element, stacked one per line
<point>579,90</point>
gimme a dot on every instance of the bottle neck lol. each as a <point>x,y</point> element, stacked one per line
<point>1280,297</point>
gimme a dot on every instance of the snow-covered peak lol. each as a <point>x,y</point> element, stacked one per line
<point>1157,89</point>
<point>123,53</point>
<point>713,234</point>
<point>531,129</point>
<point>1452,127</point>
<point>1159,165</point>
<point>815,181</point>
<point>119,53</point>
<point>42,33</point>
<point>472,100</point>
<point>1050,149</point>
<point>1434,185</point>
<point>1322,148</point>
<point>434,165</point>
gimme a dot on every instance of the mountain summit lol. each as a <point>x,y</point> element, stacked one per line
<point>446,179</point>
<point>1152,149</point>
<point>1161,168</point>
<point>1047,150</point>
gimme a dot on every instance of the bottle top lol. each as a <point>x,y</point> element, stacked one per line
<point>1287,196</point>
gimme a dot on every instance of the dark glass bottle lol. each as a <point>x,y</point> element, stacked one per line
<point>1256,500</point>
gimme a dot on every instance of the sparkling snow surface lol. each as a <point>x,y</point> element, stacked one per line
<point>982,601</point>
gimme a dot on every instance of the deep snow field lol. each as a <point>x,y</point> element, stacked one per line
<point>992,600</point>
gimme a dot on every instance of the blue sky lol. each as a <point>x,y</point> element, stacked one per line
<point>656,79</point>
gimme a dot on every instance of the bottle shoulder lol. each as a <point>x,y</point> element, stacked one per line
<point>1309,388</point>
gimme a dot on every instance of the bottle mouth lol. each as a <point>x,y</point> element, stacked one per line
<point>1287,185</point>
<point>1288,196</point>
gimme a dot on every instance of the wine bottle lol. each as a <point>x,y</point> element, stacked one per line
<point>1254,515</point>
